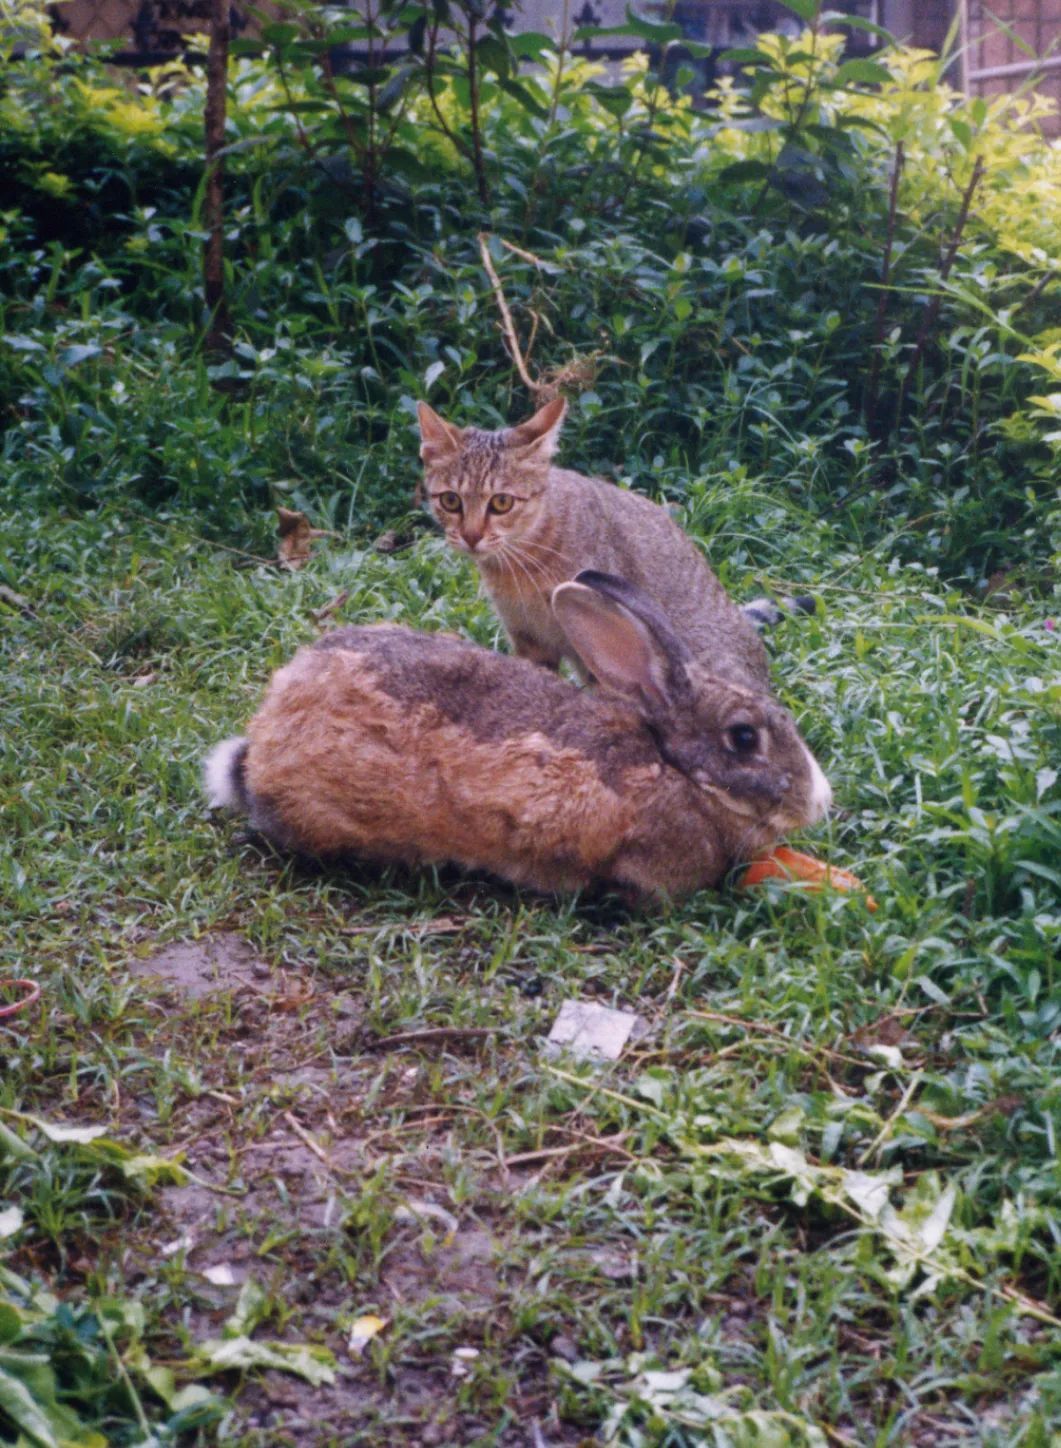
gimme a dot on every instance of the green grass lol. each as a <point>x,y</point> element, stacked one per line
<point>618,1245</point>
<point>820,1200</point>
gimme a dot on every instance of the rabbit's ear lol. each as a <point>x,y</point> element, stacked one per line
<point>438,438</point>
<point>637,602</point>
<point>539,435</point>
<point>622,649</point>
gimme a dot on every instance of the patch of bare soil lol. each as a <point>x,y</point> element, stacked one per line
<point>459,1273</point>
<point>198,968</point>
<point>286,1138</point>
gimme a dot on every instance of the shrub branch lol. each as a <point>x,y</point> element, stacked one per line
<point>870,403</point>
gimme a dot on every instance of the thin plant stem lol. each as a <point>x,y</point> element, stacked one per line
<point>476,124</point>
<point>929,323</point>
<point>869,407</point>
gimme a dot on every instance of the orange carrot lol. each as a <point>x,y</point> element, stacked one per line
<point>785,864</point>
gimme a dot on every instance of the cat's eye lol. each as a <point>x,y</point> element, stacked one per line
<point>449,502</point>
<point>501,503</point>
<point>744,738</point>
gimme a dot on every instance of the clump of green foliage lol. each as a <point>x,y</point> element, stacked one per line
<point>842,274</point>
<point>820,1203</point>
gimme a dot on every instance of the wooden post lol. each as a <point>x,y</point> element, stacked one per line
<point>218,330</point>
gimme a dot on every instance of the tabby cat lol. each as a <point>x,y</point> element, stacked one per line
<point>530,526</point>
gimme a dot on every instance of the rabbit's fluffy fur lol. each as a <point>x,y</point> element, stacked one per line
<point>397,745</point>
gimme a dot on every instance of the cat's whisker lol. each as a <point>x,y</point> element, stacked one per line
<point>534,545</point>
<point>514,554</point>
<point>506,564</point>
<point>512,561</point>
<point>531,563</point>
<point>512,557</point>
<point>544,577</point>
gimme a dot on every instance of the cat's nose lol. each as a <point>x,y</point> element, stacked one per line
<point>473,537</point>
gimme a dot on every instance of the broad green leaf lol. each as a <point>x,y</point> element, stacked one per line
<point>616,99</point>
<point>279,36</point>
<point>526,97</point>
<point>10,1323</point>
<point>862,72</point>
<point>12,1145</point>
<point>805,9</point>
<point>71,356</point>
<point>496,57</point>
<point>531,44</point>
<point>315,1364</point>
<point>60,1133</point>
<point>28,1399</point>
<point>1044,779</point>
<point>1044,872</point>
<point>858,22</point>
<point>652,29</point>
<point>147,1170</point>
<point>634,25</point>
<point>787,1125</point>
<point>931,1227</point>
<point>21,1408</point>
<point>250,1308</point>
<point>745,56</point>
<point>745,171</point>
<point>869,1190</point>
<point>806,1178</point>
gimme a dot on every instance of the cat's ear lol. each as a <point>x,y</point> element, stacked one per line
<point>438,438</point>
<point>539,435</point>
<point>635,656</point>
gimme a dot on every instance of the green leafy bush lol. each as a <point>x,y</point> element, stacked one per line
<point>839,277</point>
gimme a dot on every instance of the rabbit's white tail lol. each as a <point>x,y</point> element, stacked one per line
<point>765,612</point>
<point>223,775</point>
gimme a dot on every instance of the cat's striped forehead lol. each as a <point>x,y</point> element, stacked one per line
<point>482,458</point>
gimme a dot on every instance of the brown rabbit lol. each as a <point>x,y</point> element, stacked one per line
<point>397,745</point>
<point>529,526</point>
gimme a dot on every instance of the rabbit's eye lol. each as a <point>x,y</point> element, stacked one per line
<point>449,502</point>
<point>744,738</point>
<point>501,503</point>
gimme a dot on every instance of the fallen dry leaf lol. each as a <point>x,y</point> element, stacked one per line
<point>296,538</point>
<point>442,925</point>
<point>295,993</point>
<point>362,1333</point>
<point>15,600</point>
<point>887,1030</point>
<point>318,615</point>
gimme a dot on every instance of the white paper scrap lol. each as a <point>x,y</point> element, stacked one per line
<point>593,1032</point>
